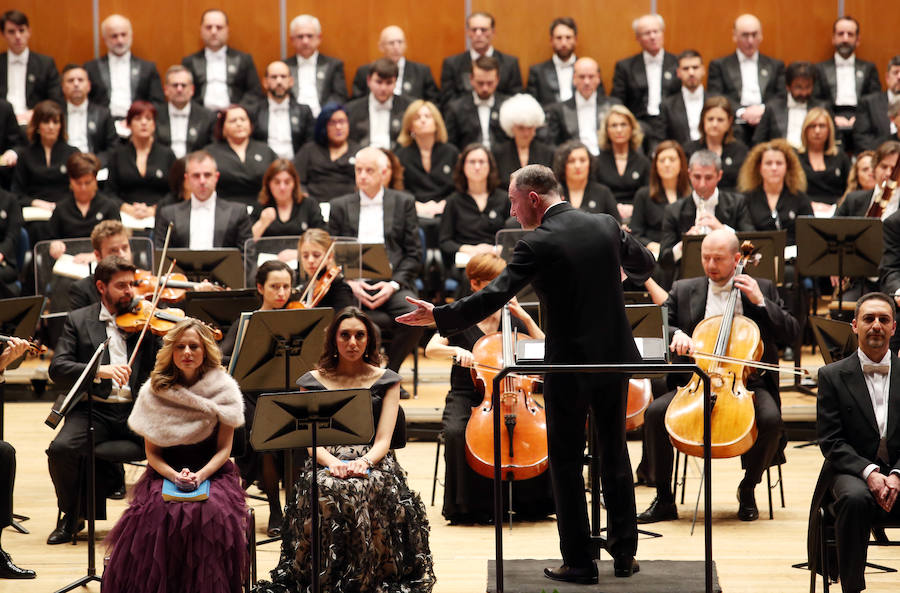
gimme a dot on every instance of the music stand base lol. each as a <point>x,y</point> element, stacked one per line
<point>82,582</point>
<point>18,526</point>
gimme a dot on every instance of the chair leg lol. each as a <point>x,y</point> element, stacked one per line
<point>251,543</point>
<point>437,458</point>
<point>675,475</point>
<point>769,491</point>
<point>416,372</point>
<point>781,485</point>
<point>684,478</point>
<point>823,558</point>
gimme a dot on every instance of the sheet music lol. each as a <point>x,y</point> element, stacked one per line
<point>239,339</point>
<point>264,257</point>
<point>68,267</point>
<point>137,224</point>
<point>33,213</point>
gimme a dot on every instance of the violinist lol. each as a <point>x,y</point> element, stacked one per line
<point>689,302</point>
<point>312,247</point>
<point>467,495</point>
<point>113,396</point>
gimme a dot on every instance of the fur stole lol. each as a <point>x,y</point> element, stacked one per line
<point>184,416</point>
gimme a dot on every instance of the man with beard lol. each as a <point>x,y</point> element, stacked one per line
<point>281,122</point>
<point>783,117</point>
<point>551,81</point>
<point>679,114</point>
<point>85,329</point>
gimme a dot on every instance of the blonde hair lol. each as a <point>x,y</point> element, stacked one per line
<point>750,178</point>
<point>440,129</point>
<point>637,135</point>
<point>165,374</point>
<point>811,116</point>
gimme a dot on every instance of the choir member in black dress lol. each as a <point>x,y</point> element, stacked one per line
<point>325,165</point>
<point>774,188</point>
<point>139,170</point>
<point>574,168</point>
<point>427,158</point>
<point>717,135</point>
<point>10,226</point>
<point>241,160</point>
<point>283,209</point>
<point>620,165</point>
<point>78,213</point>
<point>40,176</point>
<point>862,173</point>
<point>395,170</point>
<point>668,182</point>
<point>826,166</point>
<point>467,495</point>
<point>477,209</point>
<point>520,117</point>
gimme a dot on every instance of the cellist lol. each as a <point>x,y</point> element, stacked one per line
<point>467,495</point>
<point>689,302</point>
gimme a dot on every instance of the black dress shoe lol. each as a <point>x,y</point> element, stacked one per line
<point>569,574</point>
<point>8,570</point>
<point>117,494</point>
<point>625,566</point>
<point>747,510</point>
<point>65,531</point>
<point>274,527</point>
<point>659,511</point>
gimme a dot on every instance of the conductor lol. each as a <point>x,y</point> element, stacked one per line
<point>573,260</point>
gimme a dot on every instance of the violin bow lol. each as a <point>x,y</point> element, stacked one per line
<point>156,295</point>
<point>751,363</point>
<point>312,281</point>
<point>162,259</point>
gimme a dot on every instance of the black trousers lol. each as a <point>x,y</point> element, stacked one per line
<point>855,510</point>
<point>402,338</point>
<point>755,461</point>
<point>67,456</point>
<point>568,398</point>
<point>7,481</point>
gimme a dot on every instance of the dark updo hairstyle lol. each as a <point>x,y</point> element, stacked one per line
<point>329,361</point>
<point>273,265</point>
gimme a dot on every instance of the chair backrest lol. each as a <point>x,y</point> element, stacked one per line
<point>259,251</point>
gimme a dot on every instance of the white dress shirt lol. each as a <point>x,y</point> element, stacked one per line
<point>216,95</point>
<point>654,67</point>
<point>203,222</point>
<point>401,67</point>
<point>750,91</point>
<point>693,104</point>
<point>717,298</point>
<point>484,117</point>
<point>796,115</point>
<point>17,68</point>
<point>586,109</point>
<point>380,122</point>
<point>371,217</point>
<point>118,354</point>
<point>891,97</point>
<point>279,139</point>
<point>564,72</point>
<point>845,77</point>
<point>76,125</point>
<point>178,128</point>
<point>307,91</point>
<point>119,84</point>
<point>475,55</point>
<point>878,385</point>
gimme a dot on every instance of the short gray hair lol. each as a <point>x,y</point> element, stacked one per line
<point>538,179</point>
<point>177,69</point>
<point>637,21</point>
<point>705,158</point>
<point>306,19</point>
<point>520,110</point>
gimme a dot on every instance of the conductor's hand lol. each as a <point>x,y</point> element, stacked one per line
<point>750,287</point>
<point>423,315</point>
<point>120,373</point>
<point>682,344</point>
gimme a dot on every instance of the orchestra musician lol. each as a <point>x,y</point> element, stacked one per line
<point>467,495</point>
<point>113,396</point>
<point>689,302</point>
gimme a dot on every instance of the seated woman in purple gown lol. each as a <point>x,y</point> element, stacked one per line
<point>187,412</point>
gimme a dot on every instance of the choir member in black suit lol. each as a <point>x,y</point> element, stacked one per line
<point>10,226</point>
<point>119,78</point>
<point>325,165</point>
<point>181,124</point>
<point>279,121</point>
<point>520,118</point>
<point>319,78</point>
<point>679,113</point>
<point>375,118</point>
<point>857,203</point>
<point>10,137</point>
<point>744,89</point>
<point>78,213</point>
<point>621,166</point>
<point>477,209</point>
<point>668,182</point>
<point>414,80</point>
<point>222,74</point>
<point>283,209</point>
<point>894,117</point>
<point>774,188</point>
<point>241,160</point>
<point>40,176</point>
<point>36,77</point>
<point>783,117</point>
<point>825,165</point>
<point>872,122</point>
<point>642,81</point>
<point>139,169</point>
<point>551,81</point>
<point>474,117</point>
<point>845,79</point>
<point>582,115</point>
<point>456,70</point>
<point>574,168</point>
<point>89,126</point>
<point>427,158</point>
<point>717,135</point>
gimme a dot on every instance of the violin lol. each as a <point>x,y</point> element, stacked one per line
<point>160,324</point>
<point>176,287</point>
<point>877,207</point>
<point>523,445</point>
<point>316,291</point>
<point>33,347</point>
<point>736,348</point>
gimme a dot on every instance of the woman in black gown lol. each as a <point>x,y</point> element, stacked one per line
<point>574,168</point>
<point>242,161</point>
<point>467,495</point>
<point>668,182</point>
<point>326,165</point>
<point>520,117</point>
<point>717,135</point>
<point>283,209</point>
<point>825,165</point>
<point>620,165</point>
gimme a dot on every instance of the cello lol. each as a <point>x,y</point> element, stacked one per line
<point>736,348</point>
<point>523,444</point>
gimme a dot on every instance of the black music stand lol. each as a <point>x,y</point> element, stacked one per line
<point>79,389</point>
<point>769,244</point>
<point>292,420</point>
<point>836,339</point>
<point>224,266</point>
<point>220,309</point>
